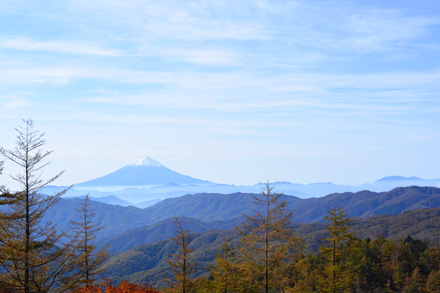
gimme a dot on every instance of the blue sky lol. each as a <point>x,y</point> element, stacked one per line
<point>229,91</point>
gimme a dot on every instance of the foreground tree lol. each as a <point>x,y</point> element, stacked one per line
<point>32,259</point>
<point>340,269</point>
<point>268,245</point>
<point>89,260</point>
<point>181,263</point>
<point>226,273</point>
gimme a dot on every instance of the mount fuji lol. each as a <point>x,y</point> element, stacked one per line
<point>145,181</point>
<point>142,172</point>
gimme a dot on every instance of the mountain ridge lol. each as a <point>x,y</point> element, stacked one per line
<point>145,179</point>
<point>220,207</point>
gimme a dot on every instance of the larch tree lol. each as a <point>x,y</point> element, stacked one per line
<point>268,245</point>
<point>226,272</point>
<point>89,261</point>
<point>181,263</point>
<point>32,258</point>
<point>339,269</point>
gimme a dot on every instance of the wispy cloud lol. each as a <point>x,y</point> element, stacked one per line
<point>379,30</point>
<point>203,56</point>
<point>69,47</point>
<point>281,78</point>
<point>14,102</point>
<point>241,91</point>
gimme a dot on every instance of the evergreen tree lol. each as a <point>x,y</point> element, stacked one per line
<point>32,257</point>
<point>268,245</point>
<point>89,261</point>
<point>181,263</point>
<point>371,270</point>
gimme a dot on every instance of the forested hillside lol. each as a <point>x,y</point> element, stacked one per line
<point>161,231</point>
<point>224,207</point>
<point>210,207</point>
<point>147,262</point>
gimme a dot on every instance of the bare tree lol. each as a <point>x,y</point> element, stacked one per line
<point>32,257</point>
<point>89,260</point>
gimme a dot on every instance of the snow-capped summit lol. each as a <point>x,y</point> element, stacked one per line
<point>142,172</point>
<point>145,161</point>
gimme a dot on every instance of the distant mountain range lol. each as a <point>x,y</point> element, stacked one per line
<point>228,207</point>
<point>145,181</point>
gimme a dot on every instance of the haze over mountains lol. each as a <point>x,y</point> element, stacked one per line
<point>138,237</point>
<point>145,182</point>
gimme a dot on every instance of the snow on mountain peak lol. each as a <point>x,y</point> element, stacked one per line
<point>145,161</point>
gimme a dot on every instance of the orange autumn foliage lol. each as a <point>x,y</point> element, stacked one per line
<point>124,287</point>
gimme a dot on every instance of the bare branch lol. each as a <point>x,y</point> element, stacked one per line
<point>34,259</point>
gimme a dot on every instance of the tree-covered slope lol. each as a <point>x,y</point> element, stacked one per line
<point>162,231</point>
<point>210,207</point>
<point>367,203</point>
<point>223,207</point>
<point>115,219</point>
<point>147,262</point>
<point>207,206</point>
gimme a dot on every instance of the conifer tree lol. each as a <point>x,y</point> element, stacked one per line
<point>339,272</point>
<point>89,261</point>
<point>32,257</point>
<point>433,281</point>
<point>226,272</point>
<point>268,245</point>
<point>181,263</point>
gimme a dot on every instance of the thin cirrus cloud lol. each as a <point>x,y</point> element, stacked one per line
<point>14,102</point>
<point>203,56</point>
<point>28,44</point>
<point>293,71</point>
<point>177,20</point>
<point>222,85</point>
